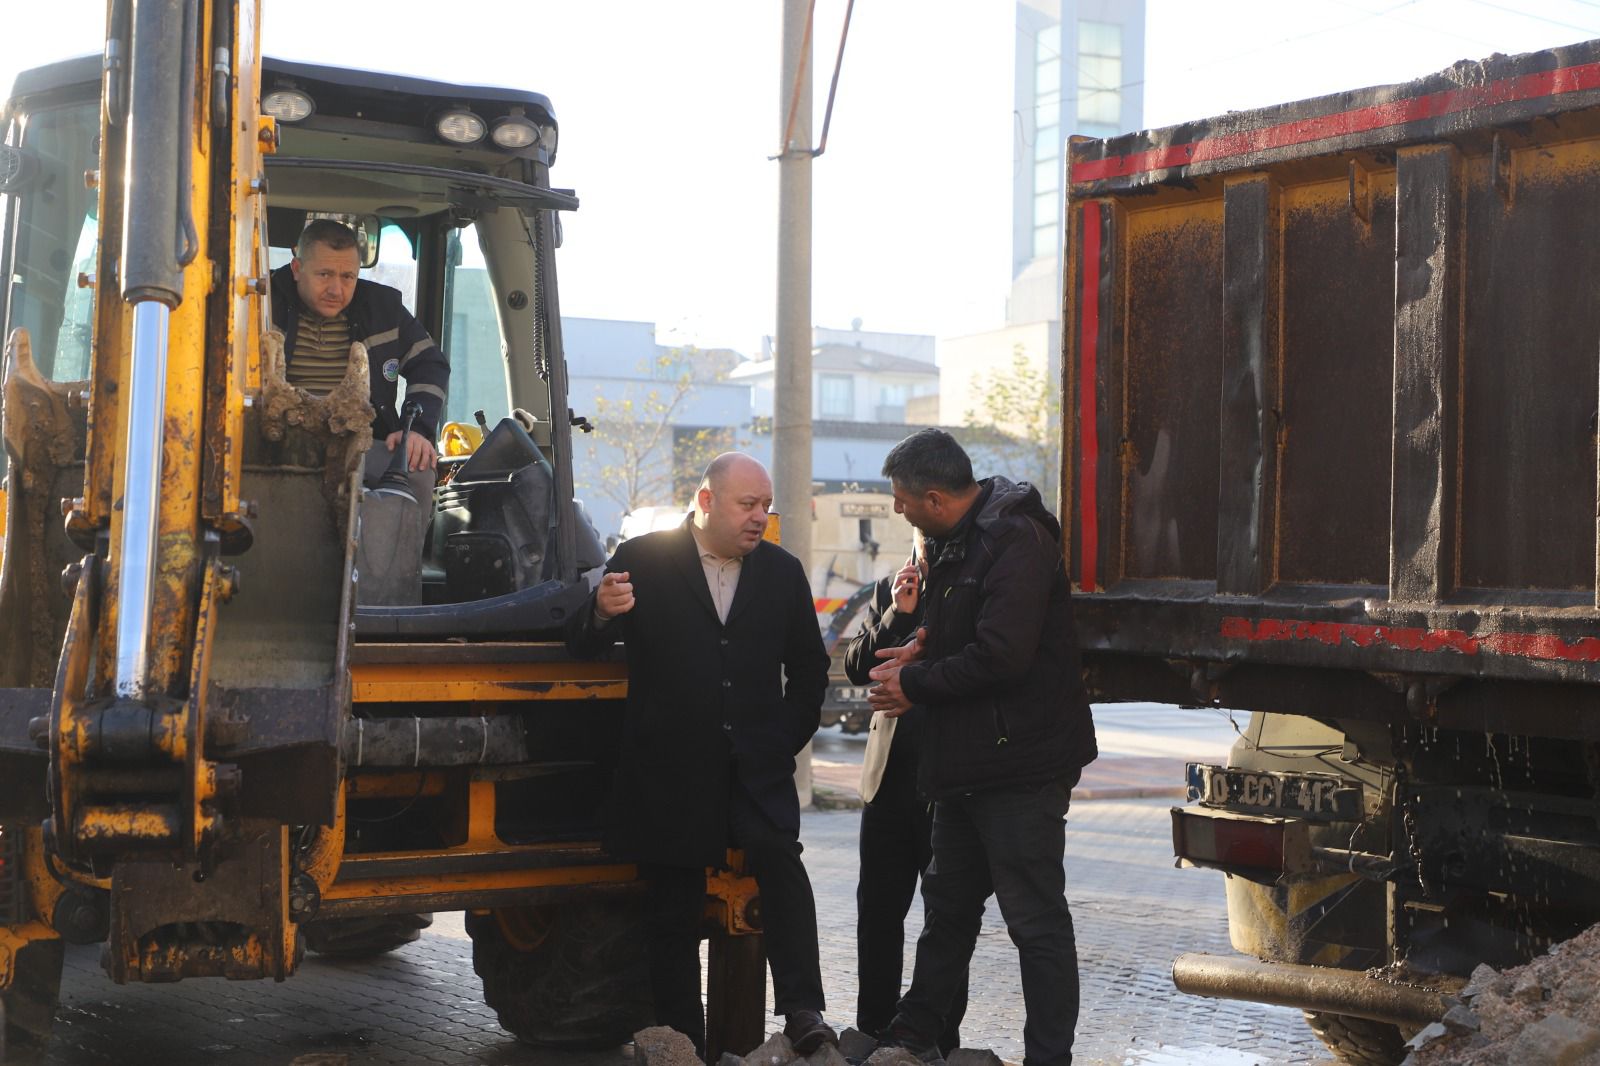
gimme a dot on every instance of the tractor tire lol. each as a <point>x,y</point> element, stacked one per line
<point>1359,1041</point>
<point>28,1006</point>
<point>573,976</point>
<point>358,938</point>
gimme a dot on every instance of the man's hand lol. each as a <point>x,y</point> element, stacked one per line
<point>614,597</point>
<point>887,696</point>
<point>907,588</point>
<point>419,450</point>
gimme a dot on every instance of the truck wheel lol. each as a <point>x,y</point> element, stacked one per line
<point>572,976</point>
<point>354,938</point>
<point>1359,1041</point>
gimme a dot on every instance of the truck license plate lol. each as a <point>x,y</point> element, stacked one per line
<point>1307,795</point>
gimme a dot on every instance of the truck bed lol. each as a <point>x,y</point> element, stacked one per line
<point>1330,382</point>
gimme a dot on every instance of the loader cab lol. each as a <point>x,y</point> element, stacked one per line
<point>50,129</point>
<point>450,185</point>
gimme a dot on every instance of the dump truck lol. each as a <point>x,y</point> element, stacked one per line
<point>213,753</point>
<point>1330,377</point>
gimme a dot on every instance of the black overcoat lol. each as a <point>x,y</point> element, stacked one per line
<point>706,700</point>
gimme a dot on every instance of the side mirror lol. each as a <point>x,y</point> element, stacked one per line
<point>369,229</point>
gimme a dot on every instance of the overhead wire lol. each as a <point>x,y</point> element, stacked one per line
<point>1531,15</point>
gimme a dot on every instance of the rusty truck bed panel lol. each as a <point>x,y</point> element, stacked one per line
<point>1331,383</point>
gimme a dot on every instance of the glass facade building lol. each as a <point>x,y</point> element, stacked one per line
<point>1079,70</point>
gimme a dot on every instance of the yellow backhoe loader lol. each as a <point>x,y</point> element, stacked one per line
<point>213,754</point>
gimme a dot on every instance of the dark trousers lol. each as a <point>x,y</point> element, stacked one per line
<point>1008,843</point>
<point>896,847</point>
<point>676,903</point>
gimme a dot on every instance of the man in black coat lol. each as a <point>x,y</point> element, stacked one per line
<point>995,674</point>
<point>726,675</point>
<point>896,819</point>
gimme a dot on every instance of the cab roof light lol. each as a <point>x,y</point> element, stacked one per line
<point>458,125</point>
<point>288,104</point>
<point>514,130</point>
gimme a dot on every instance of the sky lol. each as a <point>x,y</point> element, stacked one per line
<point>670,110</point>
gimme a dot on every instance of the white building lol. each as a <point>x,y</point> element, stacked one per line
<point>612,364</point>
<point>850,383</point>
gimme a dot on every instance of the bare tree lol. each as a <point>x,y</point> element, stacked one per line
<point>1017,426</point>
<point>652,457</point>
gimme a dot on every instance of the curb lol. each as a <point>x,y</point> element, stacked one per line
<point>826,798</point>
<point>1122,792</point>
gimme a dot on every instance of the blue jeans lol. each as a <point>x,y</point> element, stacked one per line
<point>1008,843</point>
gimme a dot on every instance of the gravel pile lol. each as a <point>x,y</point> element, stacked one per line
<point>1546,1013</point>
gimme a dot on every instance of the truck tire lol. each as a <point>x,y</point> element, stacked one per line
<point>355,938</point>
<point>1359,1041</point>
<point>574,976</point>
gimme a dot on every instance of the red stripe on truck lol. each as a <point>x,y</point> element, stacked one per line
<point>1089,437</point>
<point>1304,131</point>
<point>1405,638</point>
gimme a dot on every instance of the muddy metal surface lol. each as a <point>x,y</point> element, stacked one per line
<point>422,1005</point>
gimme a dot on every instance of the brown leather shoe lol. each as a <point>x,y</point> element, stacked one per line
<point>807,1031</point>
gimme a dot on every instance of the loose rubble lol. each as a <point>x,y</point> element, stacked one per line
<point>1543,1014</point>
<point>661,1046</point>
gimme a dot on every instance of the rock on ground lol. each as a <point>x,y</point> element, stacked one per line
<point>777,1051</point>
<point>1545,1013</point>
<point>966,1056</point>
<point>855,1044</point>
<point>662,1045</point>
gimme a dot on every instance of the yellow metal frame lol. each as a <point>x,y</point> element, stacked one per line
<point>481,682</point>
<point>481,839</point>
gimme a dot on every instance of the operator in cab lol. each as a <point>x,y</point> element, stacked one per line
<point>323,306</point>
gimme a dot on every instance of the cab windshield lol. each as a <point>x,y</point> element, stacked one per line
<point>51,238</point>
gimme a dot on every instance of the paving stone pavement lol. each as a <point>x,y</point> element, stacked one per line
<point>1133,912</point>
<point>422,1005</point>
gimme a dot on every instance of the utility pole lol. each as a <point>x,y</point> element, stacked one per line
<point>791,423</point>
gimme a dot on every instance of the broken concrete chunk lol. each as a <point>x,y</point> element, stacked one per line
<point>1429,1032</point>
<point>826,1055</point>
<point>966,1056</point>
<point>662,1045</point>
<point>777,1051</point>
<point>730,1059</point>
<point>855,1045</point>
<point>1485,978</point>
<point>1460,1019</point>
<point>1555,1040</point>
<point>1527,988</point>
<point>892,1056</point>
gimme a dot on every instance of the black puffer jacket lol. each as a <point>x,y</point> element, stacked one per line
<point>1000,677</point>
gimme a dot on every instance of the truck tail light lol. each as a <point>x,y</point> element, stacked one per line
<point>1244,844</point>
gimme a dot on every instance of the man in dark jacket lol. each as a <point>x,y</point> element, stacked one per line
<point>726,674</point>
<point>323,306</point>
<point>994,670</point>
<point>896,819</point>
